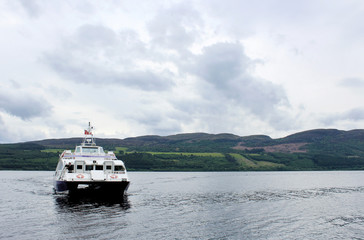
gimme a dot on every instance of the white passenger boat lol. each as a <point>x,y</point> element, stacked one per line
<point>89,167</point>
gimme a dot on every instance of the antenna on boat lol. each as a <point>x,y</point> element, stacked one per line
<point>88,139</point>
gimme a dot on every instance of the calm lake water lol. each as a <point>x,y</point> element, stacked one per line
<point>180,205</point>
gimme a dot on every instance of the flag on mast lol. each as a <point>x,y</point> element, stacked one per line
<point>88,132</point>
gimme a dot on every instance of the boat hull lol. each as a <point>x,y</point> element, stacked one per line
<point>117,188</point>
<point>60,186</point>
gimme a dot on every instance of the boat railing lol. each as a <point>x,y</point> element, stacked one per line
<point>62,173</point>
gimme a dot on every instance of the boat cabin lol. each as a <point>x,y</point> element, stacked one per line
<point>89,150</point>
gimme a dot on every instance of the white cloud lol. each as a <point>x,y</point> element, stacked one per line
<point>138,68</point>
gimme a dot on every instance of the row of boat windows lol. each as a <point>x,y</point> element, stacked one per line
<point>96,167</point>
<point>80,149</point>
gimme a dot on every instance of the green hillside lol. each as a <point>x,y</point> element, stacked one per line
<point>320,149</point>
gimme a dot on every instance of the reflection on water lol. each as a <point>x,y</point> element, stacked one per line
<point>79,202</point>
<point>91,216</point>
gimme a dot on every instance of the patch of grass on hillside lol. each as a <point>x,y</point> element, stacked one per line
<point>119,150</point>
<point>243,161</point>
<point>255,164</point>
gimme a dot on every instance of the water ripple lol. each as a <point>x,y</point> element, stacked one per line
<point>175,199</point>
<point>189,206</point>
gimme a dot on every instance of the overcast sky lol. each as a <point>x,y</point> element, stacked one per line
<point>136,68</point>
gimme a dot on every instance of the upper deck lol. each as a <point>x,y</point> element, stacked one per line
<point>94,152</point>
<point>89,150</point>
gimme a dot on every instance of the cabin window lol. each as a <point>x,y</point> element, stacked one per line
<point>89,167</point>
<point>99,167</point>
<point>108,167</point>
<point>119,168</point>
<point>78,149</point>
<point>90,150</point>
<point>79,167</point>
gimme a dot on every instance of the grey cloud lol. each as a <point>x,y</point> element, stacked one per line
<point>260,96</point>
<point>144,80</point>
<point>95,35</point>
<point>221,63</point>
<point>352,82</point>
<point>31,7</point>
<point>226,67</point>
<point>97,55</point>
<point>15,84</point>
<point>23,105</point>
<point>59,92</point>
<point>94,74</point>
<point>158,122</point>
<point>356,114</point>
<point>176,27</point>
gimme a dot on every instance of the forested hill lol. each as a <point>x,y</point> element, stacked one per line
<point>199,142</point>
<point>320,149</point>
<point>319,141</point>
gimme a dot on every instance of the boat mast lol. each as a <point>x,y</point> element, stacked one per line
<point>88,139</point>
